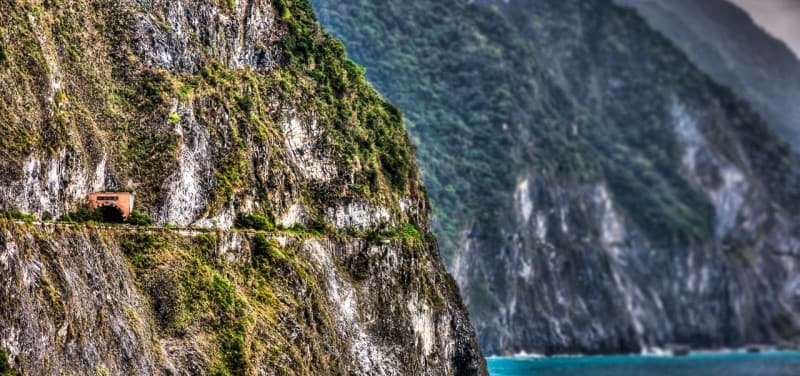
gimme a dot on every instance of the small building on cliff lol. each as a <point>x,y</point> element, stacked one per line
<point>118,201</point>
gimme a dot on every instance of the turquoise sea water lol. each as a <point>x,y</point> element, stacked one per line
<point>702,364</point>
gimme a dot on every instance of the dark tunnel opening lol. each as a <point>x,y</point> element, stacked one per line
<point>111,214</point>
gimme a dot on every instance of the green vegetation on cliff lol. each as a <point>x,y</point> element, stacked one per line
<point>367,130</point>
<point>236,307</point>
<point>5,368</point>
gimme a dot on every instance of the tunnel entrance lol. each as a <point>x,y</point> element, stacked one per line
<point>110,214</point>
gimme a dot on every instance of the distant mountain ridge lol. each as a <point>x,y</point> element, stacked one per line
<point>726,43</point>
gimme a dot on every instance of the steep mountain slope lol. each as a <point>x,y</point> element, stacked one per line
<point>214,113</point>
<point>636,202</point>
<point>725,42</point>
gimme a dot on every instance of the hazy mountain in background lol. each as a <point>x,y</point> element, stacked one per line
<point>778,17</point>
<point>724,41</point>
<point>593,189</point>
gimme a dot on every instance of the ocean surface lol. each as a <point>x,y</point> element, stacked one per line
<point>698,364</point>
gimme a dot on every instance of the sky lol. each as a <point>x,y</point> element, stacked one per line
<point>781,18</point>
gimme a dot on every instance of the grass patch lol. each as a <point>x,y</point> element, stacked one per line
<point>5,367</point>
<point>254,222</point>
<point>137,218</point>
<point>143,249</point>
<point>17,215</point>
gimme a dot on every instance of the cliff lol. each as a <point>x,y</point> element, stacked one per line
<point>595,191</point>
<point>211,112</point>
<point>158,301</point>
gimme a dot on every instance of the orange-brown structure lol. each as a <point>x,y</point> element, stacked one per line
<point>120,200</point>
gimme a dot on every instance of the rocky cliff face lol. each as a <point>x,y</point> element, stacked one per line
<point>201,108</point>
<point>156,301</point>
<point>727,44</point>
<point>212,110</point>
<point>615,198</point>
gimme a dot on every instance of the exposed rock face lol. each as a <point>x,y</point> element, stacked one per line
<point>209,111</point>
<point>177,35</point>
<point>727,44</point>
<point>633,202</point>
<point>193,176</point>
<point>121,302</point>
